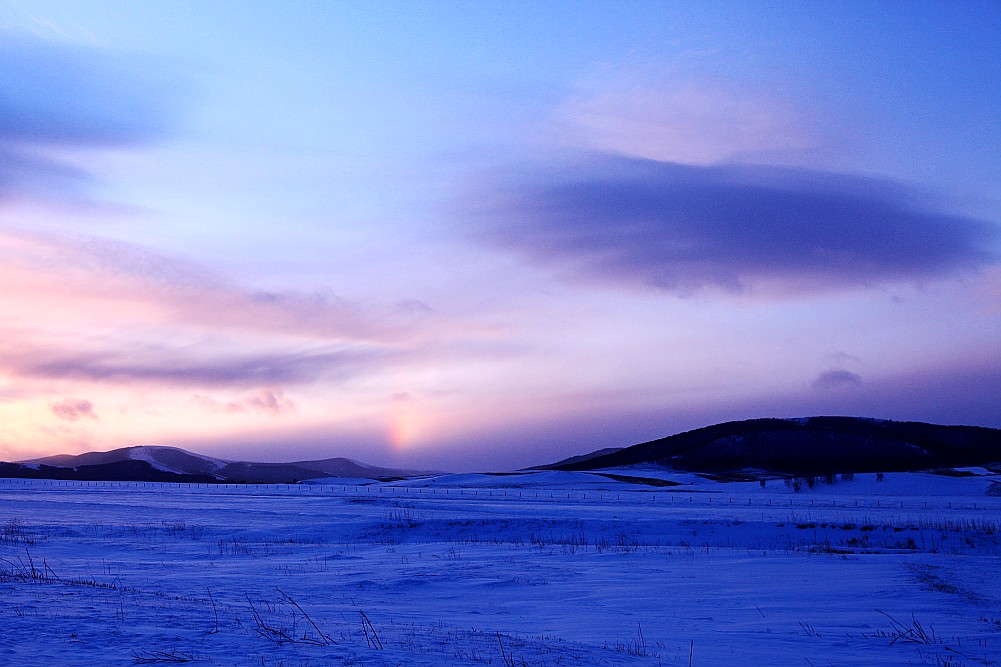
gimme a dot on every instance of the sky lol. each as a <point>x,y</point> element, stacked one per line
<point>481,236</point>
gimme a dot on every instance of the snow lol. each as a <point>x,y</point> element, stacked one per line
<point>535,569</point>
<point>154,454</point>
<point>340,481</point>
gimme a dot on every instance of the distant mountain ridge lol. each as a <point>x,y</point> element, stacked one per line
<point>152,463</point>
<point>810,445</point>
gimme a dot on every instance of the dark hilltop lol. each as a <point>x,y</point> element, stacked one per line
<point>810,446</point>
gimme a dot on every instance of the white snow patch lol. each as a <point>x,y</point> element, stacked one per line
<point>151,454</point>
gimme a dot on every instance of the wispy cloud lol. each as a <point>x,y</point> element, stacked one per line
<point>121,314</point>
<point>174,367</point>
<point>147,287</point>
<point>681,228</point>
<point>34,177</point>
<point>264,401</point>
<point>661,113</point>
<point>56,97</point>
<point>58,94</point>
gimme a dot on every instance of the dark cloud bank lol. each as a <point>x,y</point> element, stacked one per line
<point>681,228</point>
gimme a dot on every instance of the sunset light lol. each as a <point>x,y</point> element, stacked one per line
<point>468,235</point>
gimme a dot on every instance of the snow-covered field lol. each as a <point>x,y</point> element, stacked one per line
<point>535,569</point>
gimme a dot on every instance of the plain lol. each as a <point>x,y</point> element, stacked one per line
<point>643,567</point>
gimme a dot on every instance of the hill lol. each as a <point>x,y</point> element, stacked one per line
<point>586,457</point>
<point>149,463</point>
<point>812,445</point>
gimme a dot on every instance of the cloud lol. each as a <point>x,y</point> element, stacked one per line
<point>59,96</point>
<point>34,177</point>
<point>78,272</point>
<point>265,401</point>
<point>82,309</point>
<point>837,379</point>
<point>842,359</point>
<point>74,409</point>
<point>174,367</point>
<point>681,228</point>
<point>661,114</point>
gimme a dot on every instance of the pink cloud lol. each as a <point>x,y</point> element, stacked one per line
<point>265,401</point>
<point>164,289</point>
<point>74,409</point>
<point>82,308</point>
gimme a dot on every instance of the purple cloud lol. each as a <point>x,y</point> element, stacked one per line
<point>681,228</point>
<point>172,367</point>
<point>837,379</point>
<point>74,409</point>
